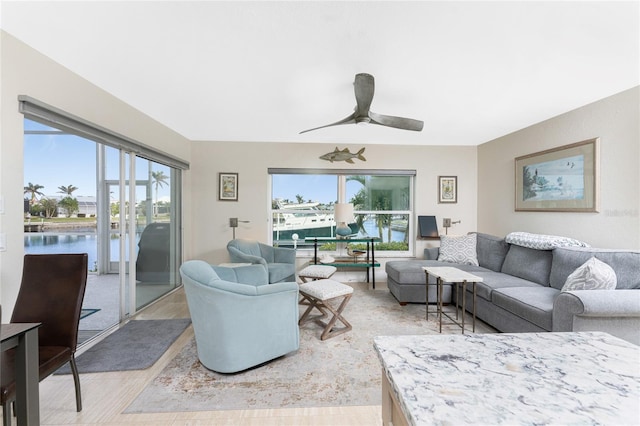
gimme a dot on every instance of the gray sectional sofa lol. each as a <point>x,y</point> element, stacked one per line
<point>521,288</point>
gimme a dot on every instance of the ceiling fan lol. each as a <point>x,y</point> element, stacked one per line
<point>364,88</point>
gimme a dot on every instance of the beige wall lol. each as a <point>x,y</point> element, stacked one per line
<point>615,120</point>
<point>26,72</point>
<point>251,160</point>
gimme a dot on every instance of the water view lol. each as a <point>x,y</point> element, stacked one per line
<point>50,243</point>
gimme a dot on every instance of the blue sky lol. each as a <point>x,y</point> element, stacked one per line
<point>53,161</point>
<point>322,188</point>
<point>62,160</point>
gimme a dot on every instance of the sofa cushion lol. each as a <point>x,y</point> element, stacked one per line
<point>409,271</point>
<point>494,280</point>
<point>625,263</point>
<point>431,253</point>
<point>459,249</point>
<point>534,304</point>
<point>592,275</point>
<point>529,264</point>
<point>491,251</point>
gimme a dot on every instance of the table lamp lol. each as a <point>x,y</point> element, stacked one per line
<point>343,214</point>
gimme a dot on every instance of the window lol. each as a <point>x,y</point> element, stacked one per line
<point>303,203</point>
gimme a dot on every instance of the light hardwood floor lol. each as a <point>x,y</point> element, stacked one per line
<point>106,395</point>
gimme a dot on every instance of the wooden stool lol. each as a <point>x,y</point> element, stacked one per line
<point>320,293</point>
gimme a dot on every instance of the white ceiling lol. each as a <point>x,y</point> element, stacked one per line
<point>264,71</point>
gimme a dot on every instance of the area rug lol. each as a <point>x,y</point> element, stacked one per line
<point>343,370</point>
<point>135,346</point>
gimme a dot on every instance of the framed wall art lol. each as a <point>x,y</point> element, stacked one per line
<point>563,179</point>
<point>447,189</point>
<point>228,186</point>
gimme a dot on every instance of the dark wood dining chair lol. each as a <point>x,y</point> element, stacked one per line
<point>51,293</point>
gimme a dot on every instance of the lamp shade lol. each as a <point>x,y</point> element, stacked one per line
<point>343,212</point>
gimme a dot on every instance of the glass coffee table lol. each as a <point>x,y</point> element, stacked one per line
<point>453,276</point>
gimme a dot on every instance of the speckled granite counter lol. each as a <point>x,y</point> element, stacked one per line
<point>524,378</point>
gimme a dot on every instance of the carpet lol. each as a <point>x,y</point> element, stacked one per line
<point>343,370</point>
<point>135,346</point>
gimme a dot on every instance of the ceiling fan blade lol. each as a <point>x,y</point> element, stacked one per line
<point>397,122</point>
<point>348,120</point>
<point>364,87</point>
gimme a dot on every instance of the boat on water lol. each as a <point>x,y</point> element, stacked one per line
<point>304,219</point>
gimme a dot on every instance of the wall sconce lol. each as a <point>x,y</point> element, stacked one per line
<point>233,223</point>
<point>446,224</point>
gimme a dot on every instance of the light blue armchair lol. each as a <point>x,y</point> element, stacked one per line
<point>238,326</point>
<point>279,261</point>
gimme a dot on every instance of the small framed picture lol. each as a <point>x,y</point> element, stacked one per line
<point>228,186</point>
<point>447,189</point>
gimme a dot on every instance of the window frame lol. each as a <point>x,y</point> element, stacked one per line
<point>303,251</point>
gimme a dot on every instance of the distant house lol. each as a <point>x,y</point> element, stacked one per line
<point>86,205</point>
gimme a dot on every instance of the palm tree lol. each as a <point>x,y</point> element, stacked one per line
<point>67,189</point>
<point>50,206</point>
<point>34,190</point>
<point>159,179</point>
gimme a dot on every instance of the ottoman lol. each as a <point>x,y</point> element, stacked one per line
<point>322,294</point>
<point>317,272</point>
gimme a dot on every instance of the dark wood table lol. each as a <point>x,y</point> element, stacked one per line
<point>24,337</point>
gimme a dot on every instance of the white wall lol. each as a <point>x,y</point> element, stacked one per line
<point>24,71</point>
<point>616,121</point>
<point>210,217</point>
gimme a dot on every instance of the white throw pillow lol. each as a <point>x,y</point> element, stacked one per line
<point>592,275</point>
<point>460,249</point>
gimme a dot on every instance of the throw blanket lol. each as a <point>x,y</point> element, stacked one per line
<point>542,242</point>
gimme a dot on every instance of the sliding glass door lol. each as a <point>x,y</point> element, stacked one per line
<point>121,209</point>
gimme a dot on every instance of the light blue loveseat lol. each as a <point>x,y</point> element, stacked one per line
<point>239,325</point>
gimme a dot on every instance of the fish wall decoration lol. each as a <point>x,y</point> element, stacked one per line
<point>343,155</point>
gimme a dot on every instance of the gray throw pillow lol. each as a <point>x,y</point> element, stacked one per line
<point>460,249</point>
<point>592,275</point>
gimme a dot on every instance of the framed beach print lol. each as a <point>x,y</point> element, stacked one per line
<point>447,189</point>
<point>228,186</point>
<point>563,179</point>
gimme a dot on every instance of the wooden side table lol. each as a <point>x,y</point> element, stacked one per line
<point>448,274</point>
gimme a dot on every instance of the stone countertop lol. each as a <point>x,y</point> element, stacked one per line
<point>524,378</point>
